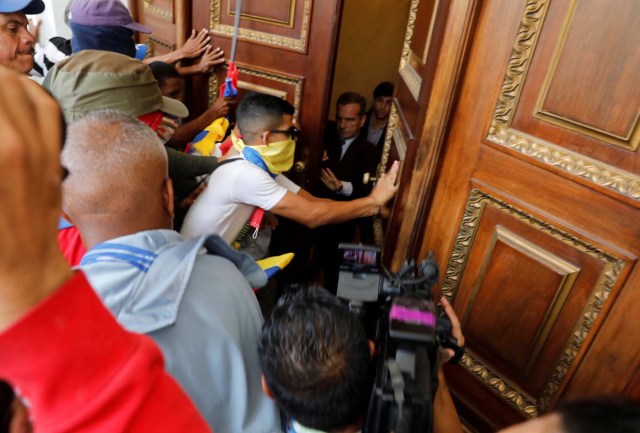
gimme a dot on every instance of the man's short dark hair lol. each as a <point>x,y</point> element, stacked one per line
<point>601,415</point>
<point>383,89</point>
<point>258,112</point>
<point>315,358</point>
<point>353,98</point>
<point>162,71</point>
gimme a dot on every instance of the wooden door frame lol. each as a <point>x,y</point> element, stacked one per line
<point>450,45</point>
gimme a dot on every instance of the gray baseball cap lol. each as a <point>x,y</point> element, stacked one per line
<point>92,80</point>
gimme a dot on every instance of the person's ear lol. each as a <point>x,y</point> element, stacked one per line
<point>372,348</point>
<point>265,388</point>
<point>264,137</point>
<point>363,119</point>
<point>167,197</point>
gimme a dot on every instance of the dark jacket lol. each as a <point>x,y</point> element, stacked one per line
<point>360,158</point>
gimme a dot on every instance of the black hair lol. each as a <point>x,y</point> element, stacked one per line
<point>258,112</point>
<point>6,400</point>
<point>601,415</point>
<point>162,71</point>
<point>315,358</point>
<point>383,89</point>
<point>353,98</point>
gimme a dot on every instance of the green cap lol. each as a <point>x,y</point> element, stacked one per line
<point>92,80</point>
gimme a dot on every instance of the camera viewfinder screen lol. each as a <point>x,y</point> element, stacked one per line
<point>360,260</point>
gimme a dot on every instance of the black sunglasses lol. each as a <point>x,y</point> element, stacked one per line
<point>292,132</point>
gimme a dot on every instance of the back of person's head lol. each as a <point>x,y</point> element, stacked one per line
<point>6,401</point>
<point>117,167</point>
<point>94,80</point>
<point>383,89</point>
<point>353,98</point>
<point>259,112</point>
<point>103,25</point>
<point>315,359</point>
<point>162,71</point>
<point>602,415</point>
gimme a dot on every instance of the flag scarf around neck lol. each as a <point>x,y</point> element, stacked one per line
<point>274,158</point>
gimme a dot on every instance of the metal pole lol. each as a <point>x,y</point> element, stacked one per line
<point>236,27</point>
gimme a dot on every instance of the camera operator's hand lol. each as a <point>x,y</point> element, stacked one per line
<point>31,264</point>
<point>456,330</point>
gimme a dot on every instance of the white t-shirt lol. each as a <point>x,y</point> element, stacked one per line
<point>233,192</point>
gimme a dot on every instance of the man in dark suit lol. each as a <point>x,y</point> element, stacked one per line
<point>348,156</point>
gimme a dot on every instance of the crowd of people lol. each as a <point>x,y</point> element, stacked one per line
<point>112,320</point>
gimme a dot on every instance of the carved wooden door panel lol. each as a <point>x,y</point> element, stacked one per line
<point>533,210</point>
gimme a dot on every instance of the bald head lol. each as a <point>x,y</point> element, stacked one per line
<point>118,182</point>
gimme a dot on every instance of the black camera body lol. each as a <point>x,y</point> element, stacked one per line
<point>409,329</point>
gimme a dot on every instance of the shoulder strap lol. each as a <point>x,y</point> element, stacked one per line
<point>226,161</point>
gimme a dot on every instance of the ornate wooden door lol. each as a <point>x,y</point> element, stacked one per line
<point>285,48</point>
<point>522,173</point>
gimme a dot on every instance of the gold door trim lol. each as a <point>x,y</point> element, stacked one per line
<point>411,78</point>
<point>526,40</point>
<point>612,268</point>
<point>515,396</point>
<point>149,42</point>
<point>501,133</point>
<point>288,24</point>
<point>296,82</point>
<point>157,11</point>
<point>293,44</point>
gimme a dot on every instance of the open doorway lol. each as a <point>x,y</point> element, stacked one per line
<point>370,44</point>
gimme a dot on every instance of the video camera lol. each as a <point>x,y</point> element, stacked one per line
<point>399,312</point>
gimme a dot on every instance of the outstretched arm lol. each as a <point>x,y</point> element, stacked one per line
<point>314,213</point>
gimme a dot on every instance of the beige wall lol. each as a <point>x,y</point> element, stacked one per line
<point>371,37</point>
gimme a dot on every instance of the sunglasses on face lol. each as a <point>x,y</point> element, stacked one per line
<point>292,132</point>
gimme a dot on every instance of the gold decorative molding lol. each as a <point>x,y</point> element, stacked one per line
<point>293,44</point>
<point>599,173</point>
<point>501,133</point>
<point>476,204</point>
<point>213,88</point>
<point>287,24</point>
<point>150,42</point>
<point>243,70</point>
<point>296,82</point>
<point>378,229</point>
<point>594,305</point>
<point>386,147</point>
<point>156,11</point>
<point>408,36</point>
<point>526,40</point>
<point>409,75</point>
<point>513,395</point>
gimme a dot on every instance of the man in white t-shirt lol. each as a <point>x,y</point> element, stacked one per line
<point>264,148</point>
